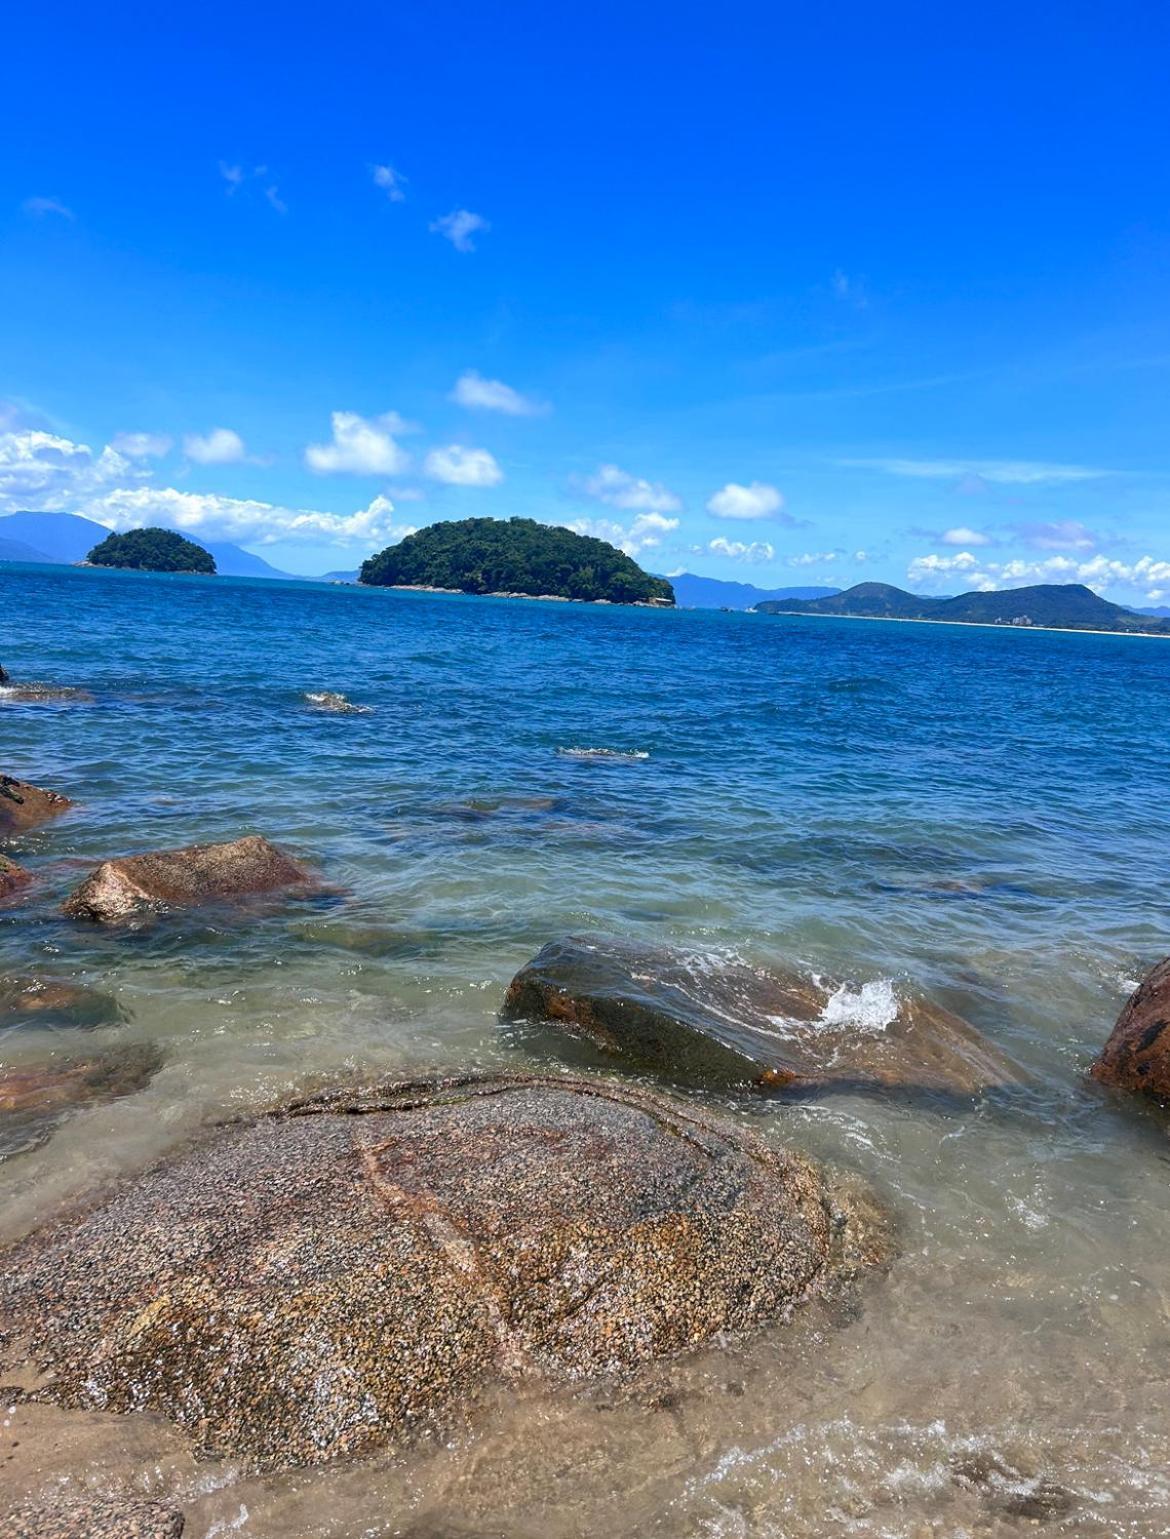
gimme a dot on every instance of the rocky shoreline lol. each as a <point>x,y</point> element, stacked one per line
<point>353,1270</point>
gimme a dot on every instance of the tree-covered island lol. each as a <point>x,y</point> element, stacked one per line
<point>515,556</point>
<point>152,550</point>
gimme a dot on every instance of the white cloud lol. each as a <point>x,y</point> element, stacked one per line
<point>233,175</point>
<point>472,390</point>
<point>965,536</point>
<point>759,500</point>
<point>645,533</point>
<point>243,519</point>
<point>221,446</point>
<point>362,446</point>
<point>736,550</point>
<point>851,289</point>
<point>142,446</point>
<point>277,202</point>
<point>236,176</point>
<point>998,472</point>
<point>619,489</point>
<point>1098,572</point>
<point>812,558</point>
<point>39,207</point>
<point>458,227</point>
<point>1068,535</point>
<point>391,182</point>
<point>51,473</point>
<point>459,466</point>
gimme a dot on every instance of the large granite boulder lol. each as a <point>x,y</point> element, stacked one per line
<point>12,877</point>
<point>24,806</point>
<point>35,1097</point>
<point>351,1270</point>
<point>1137,1055</point>
<point>200,873</point>
<point>727,1024</point>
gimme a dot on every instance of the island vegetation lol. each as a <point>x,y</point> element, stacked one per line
<point>514,556</point>
<point>152,550</point>
<point>1052,606</point>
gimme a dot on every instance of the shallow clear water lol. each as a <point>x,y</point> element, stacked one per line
<point>975,813</point>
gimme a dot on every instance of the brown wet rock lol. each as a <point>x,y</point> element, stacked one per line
<point>706,1023</point>
<point>34,1097</point>
<point>4,676</point>
<point>1137,1054</point>
<point>356,1269</point>
<point>96,1517</point>
<point>24,806</point>
<point>44,694</point>
<point>200,873</point>
<point>37,1001</point>
<point>12,877</point>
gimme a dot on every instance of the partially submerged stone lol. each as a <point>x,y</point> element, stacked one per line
<point>200,873</point>
<point>725,1023</point>
<point>1137,1054</point>
<point>333,703</point>
<point>24,806</point>
<point>39,1001</point>
<point>94,1517</point>
<point>352,1270</point>
<point>44,694</point>
<point>12,877</point>
<point>34,1097</point>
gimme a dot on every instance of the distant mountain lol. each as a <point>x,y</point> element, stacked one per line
<point>339,577</point>
<point>1161,614</point>
<point>1069,606</point>
<point>68,538</point>
<point>693,592</point>
<point>17,550</point>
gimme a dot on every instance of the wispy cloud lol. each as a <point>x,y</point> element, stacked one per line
<point>646,532</point>
<point>460,466</point>
<point>964,536</point>
<point>479,394</point>
<point>610,484</point>
<point>753,552</point>
<point>943,573</point>
<point>392,182</point>
<point>39,207</point>
<point>142,446</point>
<point>758,500</point>
<point>237,176</point>
<point>849,290</point>
<point>222,446</point>
<point>362,446</point>
<point>459,226</point>
<point>995,472</point>
<point>1067,535</point>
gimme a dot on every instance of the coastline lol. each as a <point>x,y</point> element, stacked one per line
<point>539,598</point>
<point>971,625</point>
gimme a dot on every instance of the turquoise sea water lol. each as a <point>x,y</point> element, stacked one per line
<point>974,813</point>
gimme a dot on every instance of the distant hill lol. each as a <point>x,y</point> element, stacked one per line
<point>694,592</point>
<point>152,550</point>
<point>514,555</point>
<point>17,550</point>
<point>68,538</point>
<point>1065,606</point>
<point>339,577</point>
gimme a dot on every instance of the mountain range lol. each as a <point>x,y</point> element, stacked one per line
<point>1062,606</point>
<point>693,592</point>
<point>63,539</point>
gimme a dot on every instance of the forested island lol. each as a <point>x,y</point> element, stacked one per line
<point>152,550</point>
<point>1050,606</point>
<point>515,556</point>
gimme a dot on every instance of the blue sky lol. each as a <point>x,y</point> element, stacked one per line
<point>783,293</point>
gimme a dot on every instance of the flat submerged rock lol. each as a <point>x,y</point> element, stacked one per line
<point>351,1270</point>
<point>24,806</point>
<point>717,1023</point>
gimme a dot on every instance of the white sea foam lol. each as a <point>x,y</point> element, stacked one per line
<point>613,755</point>
<point>871,1008</point>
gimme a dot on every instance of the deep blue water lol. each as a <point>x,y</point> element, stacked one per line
<point>977,813</point>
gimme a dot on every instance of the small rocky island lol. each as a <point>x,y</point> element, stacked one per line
<point>515,557</point>
<point>152,550</point>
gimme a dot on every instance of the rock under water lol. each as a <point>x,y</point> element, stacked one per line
<point>35,1097</point>
<point>96,1517</point>
<point>352,1270</point>
<point>12,877</point>
<point>725,1023</point>
<point>1137,1054</point>
<point>24,806</point>
<point>199,873</point>
<point>38,1001</point>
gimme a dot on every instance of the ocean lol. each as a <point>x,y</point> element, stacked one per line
<point>974,814</point>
